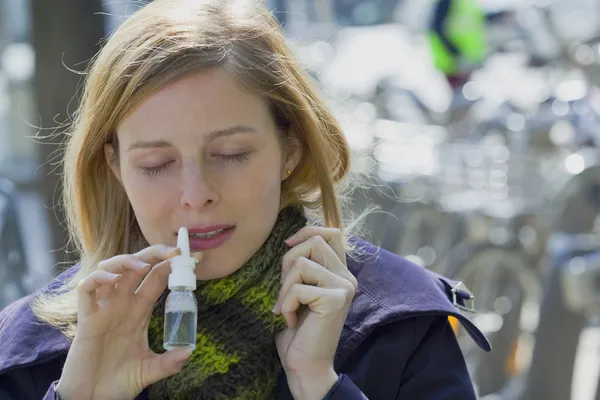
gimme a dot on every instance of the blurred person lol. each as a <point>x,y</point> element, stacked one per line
<point>196,114</point>
<point>457,38</point>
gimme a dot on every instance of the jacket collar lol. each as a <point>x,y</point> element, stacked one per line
<point>390,288</point>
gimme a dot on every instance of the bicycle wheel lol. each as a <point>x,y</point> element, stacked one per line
<point>426,234</point>
<point>392,226</point>
<point>557,338</point>
<point>505,288</point>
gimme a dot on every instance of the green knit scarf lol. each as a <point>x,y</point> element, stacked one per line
<point>235,355</point>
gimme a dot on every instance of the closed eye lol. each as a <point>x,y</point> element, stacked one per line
<point>152,171</point>
<point>234,157</point>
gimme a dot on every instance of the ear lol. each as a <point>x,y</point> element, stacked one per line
<point>292,156</point>
<point>112,159</point>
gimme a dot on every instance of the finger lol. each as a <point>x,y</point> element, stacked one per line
<point>307,272</point>
<point>322,301</point>
<point>87,287</point>
<point>122,263</point>
<point>154,284</point>
<point>332,236</point>
<point>316,249</point>
<point>130,280</point>
<point>157,253</point>
<point>160,366</point>
<point>139,263</point>
<point>105,292</point>
<point>133,270</point>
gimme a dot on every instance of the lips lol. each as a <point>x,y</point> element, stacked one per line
<point>209,237</point>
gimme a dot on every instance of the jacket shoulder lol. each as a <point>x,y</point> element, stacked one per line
<point>391,288</point>
<point>25,339</point>
<point>32,381</point>
<point>426,358</point>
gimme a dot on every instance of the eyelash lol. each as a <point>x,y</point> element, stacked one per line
<point>235,157</point>
<point>152,171</point>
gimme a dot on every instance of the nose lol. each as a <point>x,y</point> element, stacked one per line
<point>197,191</point>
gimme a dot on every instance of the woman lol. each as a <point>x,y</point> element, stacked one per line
<point>195,114</point>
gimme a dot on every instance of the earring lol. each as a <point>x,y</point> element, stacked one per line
<point>289,172</point>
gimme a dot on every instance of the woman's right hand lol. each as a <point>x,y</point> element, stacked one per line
<point>110,357</point>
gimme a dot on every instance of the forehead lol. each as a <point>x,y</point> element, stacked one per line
<point>203,102</point>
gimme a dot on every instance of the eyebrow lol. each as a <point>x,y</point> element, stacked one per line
<point>145,144</point>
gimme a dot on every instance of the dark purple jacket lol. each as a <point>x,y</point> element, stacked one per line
<point>396,342</point>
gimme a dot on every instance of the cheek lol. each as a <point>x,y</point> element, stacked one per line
<point>259,183</point>
<point>150,198</point>
<point>138,185</point>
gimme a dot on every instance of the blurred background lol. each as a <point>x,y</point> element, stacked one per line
<point>475,129</point>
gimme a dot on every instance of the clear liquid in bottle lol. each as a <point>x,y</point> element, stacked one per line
<point>180,320</point>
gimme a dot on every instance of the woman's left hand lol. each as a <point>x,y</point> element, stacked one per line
<point>314,274</point>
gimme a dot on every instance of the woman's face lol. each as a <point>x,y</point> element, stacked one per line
<point>204,153</point>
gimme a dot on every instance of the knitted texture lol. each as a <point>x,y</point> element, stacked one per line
<point>235,355</point>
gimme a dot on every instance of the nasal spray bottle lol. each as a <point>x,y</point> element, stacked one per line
<point>181,308</point>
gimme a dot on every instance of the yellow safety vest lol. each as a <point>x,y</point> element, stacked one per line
<point>465,29</point>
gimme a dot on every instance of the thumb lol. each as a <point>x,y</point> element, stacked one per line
<point>161,366</point>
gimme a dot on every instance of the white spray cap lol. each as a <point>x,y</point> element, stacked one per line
<point>182,266</point>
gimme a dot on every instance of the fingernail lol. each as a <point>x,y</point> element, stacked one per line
<point>290,239</point>
<point>198,255</point>
<point>275,308</point>
<point>142,264</point>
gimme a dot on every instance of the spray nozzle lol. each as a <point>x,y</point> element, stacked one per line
<point>183,241</point>
<point>182,266</point>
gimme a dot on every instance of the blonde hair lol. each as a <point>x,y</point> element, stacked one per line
<point>162,42</point>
